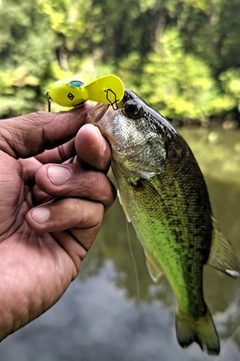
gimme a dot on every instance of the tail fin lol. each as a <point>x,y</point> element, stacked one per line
<point>201,330</point>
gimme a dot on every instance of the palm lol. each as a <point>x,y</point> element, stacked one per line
<point>40,259</point>
<point>35,264</point>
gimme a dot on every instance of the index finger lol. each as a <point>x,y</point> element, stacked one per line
<point>31,134</point>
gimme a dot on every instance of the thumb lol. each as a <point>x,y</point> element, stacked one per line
<point>31,134</point>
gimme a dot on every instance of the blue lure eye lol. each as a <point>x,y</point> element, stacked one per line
<point>77,83</point>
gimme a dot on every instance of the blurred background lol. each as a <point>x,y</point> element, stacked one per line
<point>183,58</point>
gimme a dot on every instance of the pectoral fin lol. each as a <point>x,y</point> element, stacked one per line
<point>222,255</point>
<point>153,267</point>
<point>123,206</point>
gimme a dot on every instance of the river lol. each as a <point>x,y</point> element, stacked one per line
<point>113,313</point>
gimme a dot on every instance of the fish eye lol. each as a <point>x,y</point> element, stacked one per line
<point>133,110</point>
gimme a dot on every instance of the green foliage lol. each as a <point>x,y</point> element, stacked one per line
<point>231,85</point>
<point>27,50</point>
<point>181,56</point>
<point>179,84</point>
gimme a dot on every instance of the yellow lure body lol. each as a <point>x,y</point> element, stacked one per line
<point>108,89</point>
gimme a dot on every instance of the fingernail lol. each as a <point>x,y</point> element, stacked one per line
<point>41,214</point>
<point>58,175</point>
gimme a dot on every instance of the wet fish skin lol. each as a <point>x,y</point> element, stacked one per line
<point>164,195</point>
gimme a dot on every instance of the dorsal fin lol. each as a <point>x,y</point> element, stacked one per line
<point>222,254</point>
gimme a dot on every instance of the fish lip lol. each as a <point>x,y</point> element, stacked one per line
<point>100,115</point>
<point>97,113</point>
<point>106,112</point>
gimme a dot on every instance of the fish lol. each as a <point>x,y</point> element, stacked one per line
<point>164,195</point>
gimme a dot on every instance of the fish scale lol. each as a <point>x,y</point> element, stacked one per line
<point>164,195</point>
<point>171,245</point>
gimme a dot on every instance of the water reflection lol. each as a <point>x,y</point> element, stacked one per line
<point>102,317</point>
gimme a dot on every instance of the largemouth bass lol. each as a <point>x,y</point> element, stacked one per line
<point>164,195</point>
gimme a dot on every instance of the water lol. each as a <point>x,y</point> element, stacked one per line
<point>101,316</point>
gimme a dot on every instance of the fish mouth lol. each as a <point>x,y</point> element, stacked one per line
<point>100,115</point>
<point>103,113</point>
<point>96,113</point>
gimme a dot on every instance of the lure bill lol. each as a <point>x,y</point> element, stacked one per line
<point>108,89</point>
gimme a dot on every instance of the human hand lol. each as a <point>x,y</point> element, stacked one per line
<point>51,207</point>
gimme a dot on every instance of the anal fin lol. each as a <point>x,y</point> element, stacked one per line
<point>222,254</point>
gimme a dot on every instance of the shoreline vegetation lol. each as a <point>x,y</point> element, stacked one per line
<point>211,123</point>
<point>180,56</point>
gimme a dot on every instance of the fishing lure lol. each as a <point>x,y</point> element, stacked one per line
<point>108,89</point>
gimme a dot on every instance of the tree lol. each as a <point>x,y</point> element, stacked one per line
<point>181,49</point>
